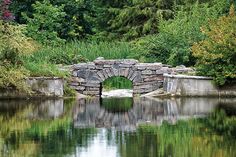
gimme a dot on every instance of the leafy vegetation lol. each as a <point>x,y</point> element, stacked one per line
<point>44,33</point>
<point>172,45</point>
<point>45,24</point>
<point>216,54</point>
<point>13,45</point>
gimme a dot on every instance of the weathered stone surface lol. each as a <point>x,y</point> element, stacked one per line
<point>78,88</point>
<point>92,88</point>
<point>82,73</point>
<point>147,72</point>
<point>100,74</point>
<point>129,61</point>
<point>90,84</point>
<point>74,73</point>
<point>91,92</point>
<point>183,85</point>
<point>145,76</point>
<point>80,66</point>
<point>115,71</point>
<point>153,78</point>
<point>105,74</point>
<point>91,65</point>
<point>40,86</point>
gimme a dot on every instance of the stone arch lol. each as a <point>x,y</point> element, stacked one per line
<point>145,77</point>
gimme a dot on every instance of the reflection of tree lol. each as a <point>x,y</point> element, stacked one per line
<point>15,125</point>
<point>21,136</point>
<point>182,140</point>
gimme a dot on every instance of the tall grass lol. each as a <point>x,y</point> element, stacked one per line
<point>117,83</point>
<point>83,51</point>
<point>43,62</point>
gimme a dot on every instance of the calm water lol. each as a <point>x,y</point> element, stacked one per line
<point>117,127</point>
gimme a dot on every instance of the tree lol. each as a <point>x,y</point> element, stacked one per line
<point>172,45</point>
<point>216,54</point>
<point>45,24</point>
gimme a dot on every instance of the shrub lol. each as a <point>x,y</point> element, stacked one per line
<point>13,43</point>
<point>12,77</point>
<point>45,24</point>
<point>216,54</point>
<point>176,36</point>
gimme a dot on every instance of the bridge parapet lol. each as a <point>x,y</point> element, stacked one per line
<point>87,78</point>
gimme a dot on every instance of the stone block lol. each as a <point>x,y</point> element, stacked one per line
<point>138,77</point>
<point>75,73</point>
<point>91,65</point>
<point>99,67</point>
<point>107,66</point>
<point>100,74</point>
<point>92,89</point>
<point>140,66</point>
<point>105,74</point>
<point>104,62</point>
<point>130,61</point>
<point>133,76</point>
<point>80,66</point>
<point>108,71</point>
<point>115,71</point>
<point>125,65</point>
<point>79,88</point>
<point>90,84</point>
<point>93,93</point>
<point>154,66</point>
<point>126,72</point>
<point>147,72</point>
<point>153,78</point>
<point>144,83</point>
<point>82,73</point>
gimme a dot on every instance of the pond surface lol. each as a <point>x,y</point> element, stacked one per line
<point>118,127</point>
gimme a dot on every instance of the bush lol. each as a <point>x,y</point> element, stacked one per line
<point>176,36</point>
<point>13,43</point>
<point>13,77</point>
<point>45,24</point>
<point>216,54</point>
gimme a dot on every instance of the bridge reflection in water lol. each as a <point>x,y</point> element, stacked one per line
<point>93,112</point>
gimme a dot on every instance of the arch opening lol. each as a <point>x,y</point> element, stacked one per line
<point>116,86</point>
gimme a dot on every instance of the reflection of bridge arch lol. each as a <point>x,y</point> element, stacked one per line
<point>145,77</point>
<point>144,110</point>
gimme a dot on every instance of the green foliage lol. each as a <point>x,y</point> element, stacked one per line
<point>117,83</point>
<point>45,23</point>
<point>13,77</point>
<point>134,18</point>
<point>71,17</point>
<point>176,36</point>
<point>122,104</point>
<point>69,92</point>
<point>43,69</point>
<point>221,123</point>
<point>76,51</point>
<point>77,23</point>
<point>216,54</point>
<point>13,43</point>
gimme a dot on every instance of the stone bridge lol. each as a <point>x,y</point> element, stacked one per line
<point>87,78</point>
